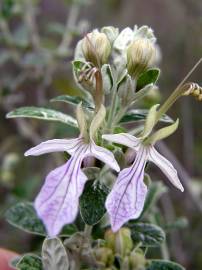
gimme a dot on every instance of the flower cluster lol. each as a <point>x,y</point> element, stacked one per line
<point>108,62</point>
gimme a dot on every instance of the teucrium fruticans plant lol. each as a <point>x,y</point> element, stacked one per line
<point>119,67</point>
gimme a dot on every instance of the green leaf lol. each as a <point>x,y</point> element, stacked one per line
<point>164,265</point>
<point>148,77</point>
<point>43,114</point>
<point>141,114</point>
<point>156,189</point>
<point>92,202</point>
<point>54,255</point>
<point>73,100</point>
<point>30,262</point>
<point>149,235</point>
<point>23,216</point>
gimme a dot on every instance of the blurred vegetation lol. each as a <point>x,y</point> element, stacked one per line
<point>37,39</point>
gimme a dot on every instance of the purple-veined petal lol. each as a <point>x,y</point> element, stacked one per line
<point>104,155</point>
<point>165,166</point>
<point>57,202</point>
<point>124,139</point>
<point>126,200</point>
<point>56,145</point>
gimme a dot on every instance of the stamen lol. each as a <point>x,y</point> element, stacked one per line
<point>193,89</point>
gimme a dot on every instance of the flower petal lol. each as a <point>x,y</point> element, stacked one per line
<point>104,155</point>
<point>57,203</point>
<point>126,200</point>
<point>56,145</point>
<point>124,139</point>
<point>166,167</point>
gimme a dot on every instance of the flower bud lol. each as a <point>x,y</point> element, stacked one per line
<point>137,261</point>
<point>104,255</point>
<point>96,48</point>
<point>140,55</point>
<point>120,242</point>
<point>111,32</point>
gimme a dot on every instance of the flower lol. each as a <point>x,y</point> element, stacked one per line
<point>126,200</point>
<point>140,55</point>
<point>124,41</point>
<point>96,48</point>
<point>57,202</point>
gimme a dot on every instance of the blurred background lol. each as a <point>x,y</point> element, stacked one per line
<point>37,39</point>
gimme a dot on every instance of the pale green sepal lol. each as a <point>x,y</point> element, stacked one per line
<point>150,121</point>
<point>163,133</point>
<point>97,121</point>
<point>80,116</point>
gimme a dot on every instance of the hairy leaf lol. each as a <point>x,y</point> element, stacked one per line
<point>29,262</point>
<point>141,114</point>
<point>148,77</point>
<point>164,265</point>
<point>54,255</point>
<point>43,114</point>
<point>75,100</point>
<point>149,235</point>
<point>23,216</point>
<point>92,202</point>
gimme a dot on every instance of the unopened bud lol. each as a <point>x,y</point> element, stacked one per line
<point>137,261</point>
<point>120,242</point>
<point>96,48</point>
<point>111,32</point>
<point>140,55</point>
<point>104,255</point>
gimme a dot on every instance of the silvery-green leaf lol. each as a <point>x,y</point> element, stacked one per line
<point>54,255</point>
<point>43,114</point>
<point>164,265</point>
<point>30,262</point>
<point>107,78</point>
<point>148,77</point>
<point>75,100</point>
<point>92,202</point>
<point>126,90</point>
<point>23,216</point>
<point>141,114</point>
<point>149,235</point>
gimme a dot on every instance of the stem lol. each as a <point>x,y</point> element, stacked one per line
<point>164,251</point>
<point>176,94</point>
<point>119,115</point>
<point>112,107</point>
<point>88,230</point>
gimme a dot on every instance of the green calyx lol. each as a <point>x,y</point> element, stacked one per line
<point>151,121</point>
<point>89,132</point>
